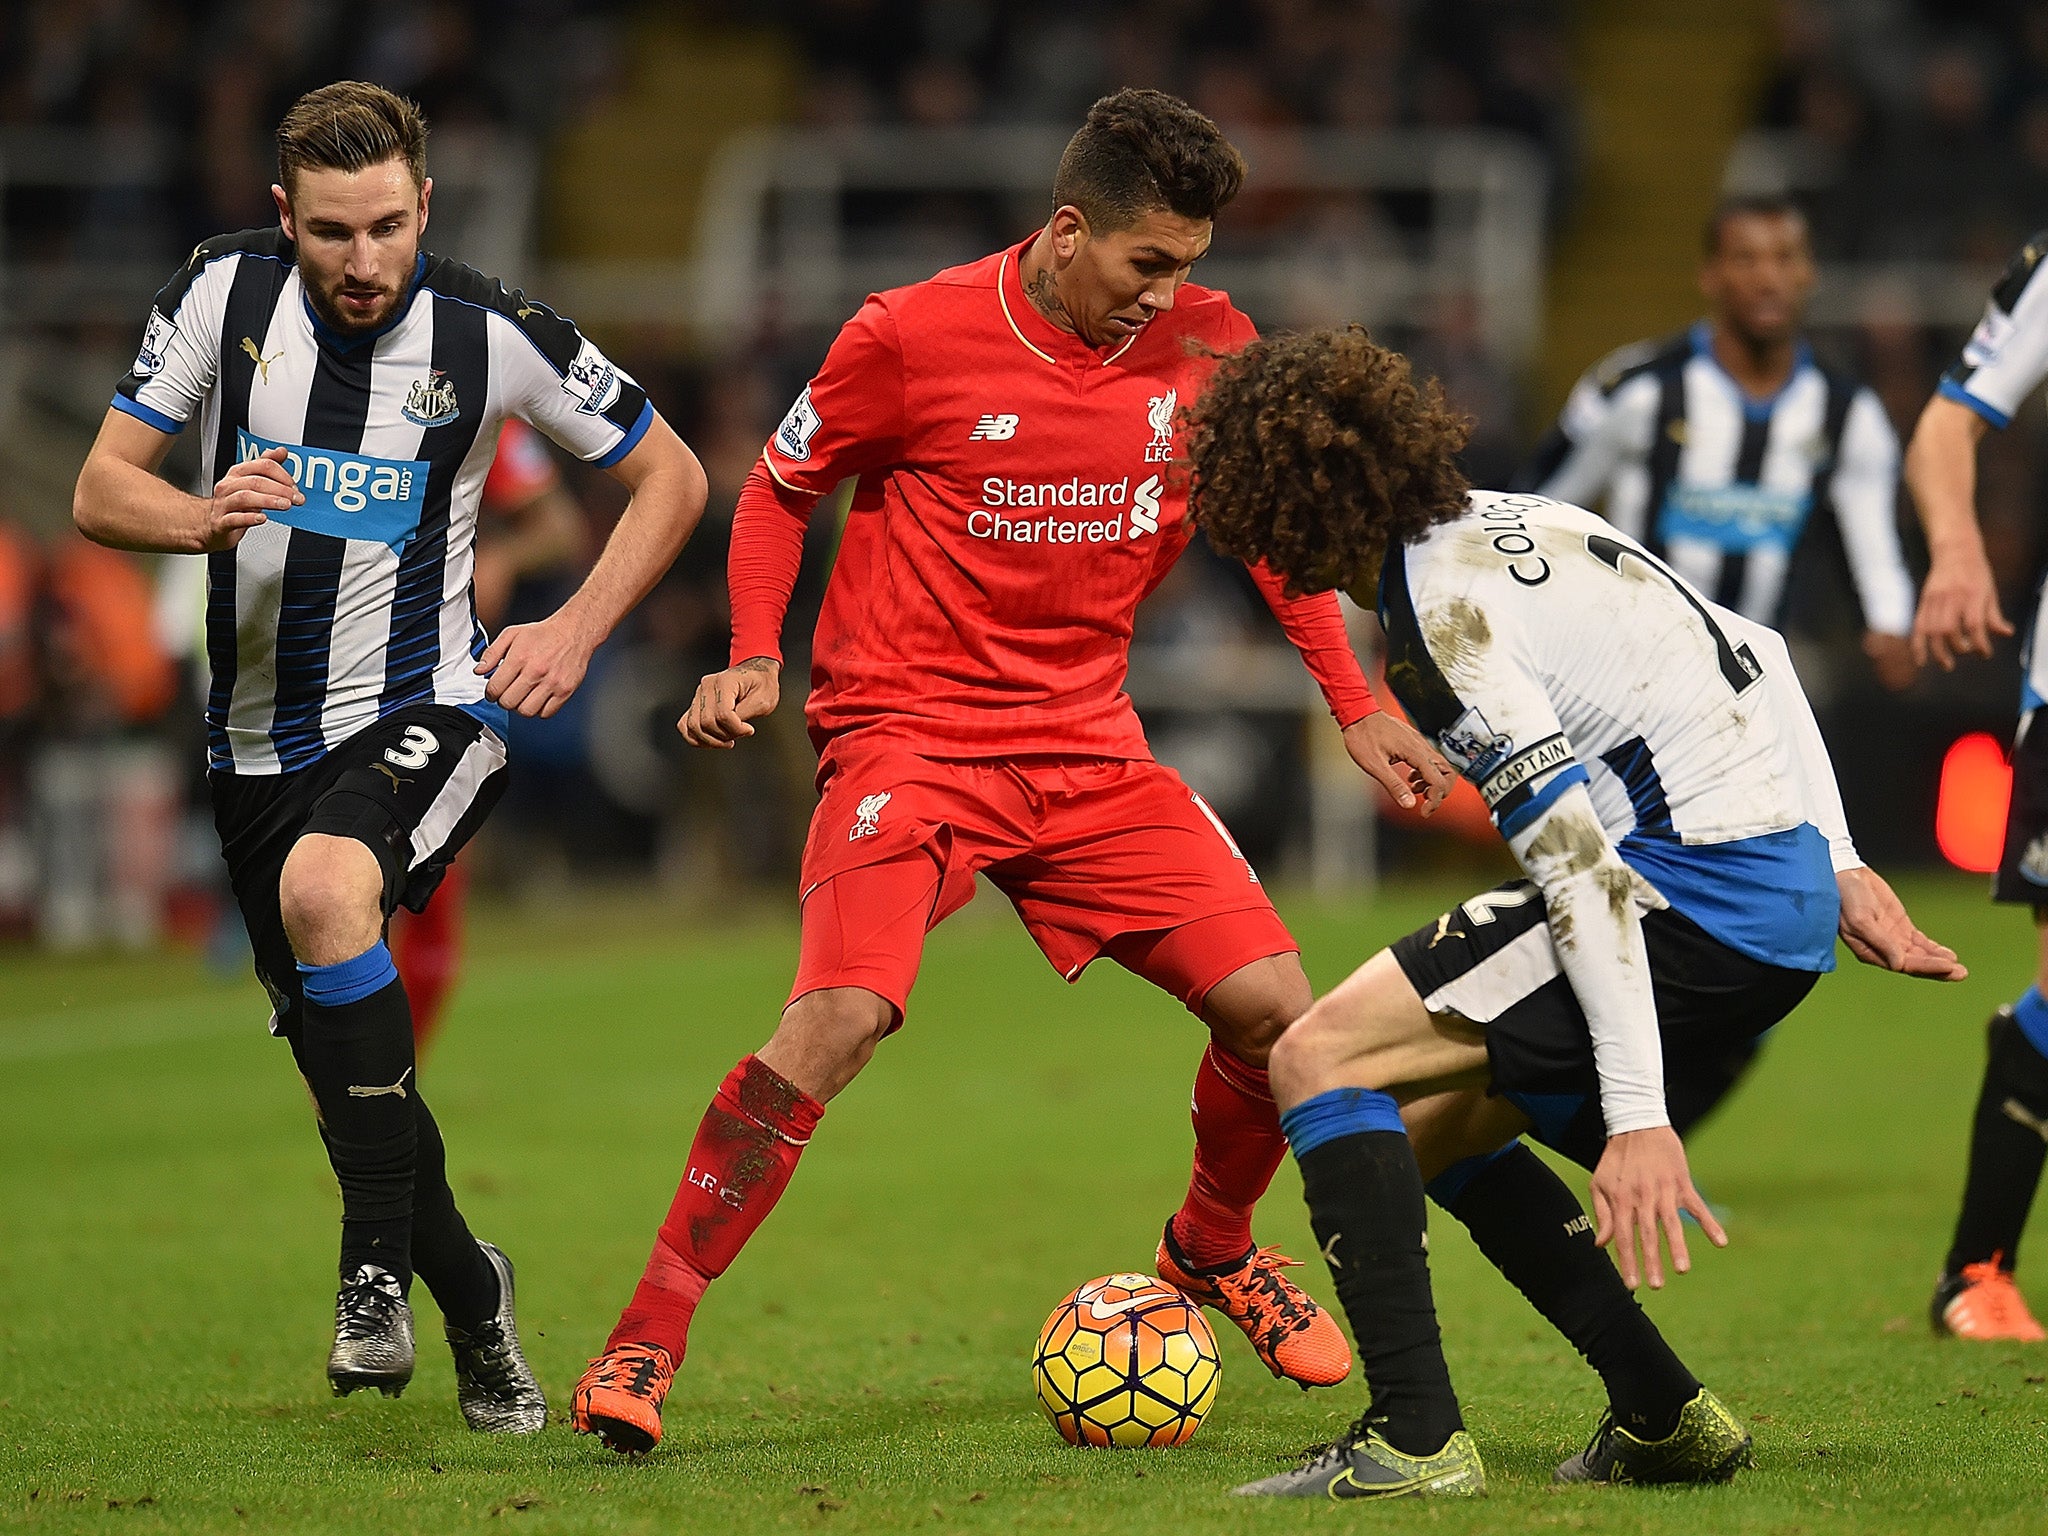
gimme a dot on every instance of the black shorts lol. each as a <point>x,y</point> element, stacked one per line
<point>2023,868</point>
<point>1491,961</point>
<point>413,788</point>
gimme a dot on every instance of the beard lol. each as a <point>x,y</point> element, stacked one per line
<point>327,305</point>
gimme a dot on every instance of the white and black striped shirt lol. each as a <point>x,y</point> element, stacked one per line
<point>1660,438</point>
<point>2002,362</point>
<point>357,603</point>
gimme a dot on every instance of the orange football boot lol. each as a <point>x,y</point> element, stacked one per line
<point>619,1398</point>
<point>1982,1303</point>
<point>1297,1339</point>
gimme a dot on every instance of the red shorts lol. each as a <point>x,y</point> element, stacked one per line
<point>1099,857</point>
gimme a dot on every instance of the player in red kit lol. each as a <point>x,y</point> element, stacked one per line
<point>1012,426</point>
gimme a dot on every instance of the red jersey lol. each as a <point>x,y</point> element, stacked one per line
<point>521,470</point>
<point>1015,504</point>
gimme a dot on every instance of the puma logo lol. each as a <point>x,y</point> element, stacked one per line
<point>1330,1251</point>
<point>2019,1114</point>
<point>397,779</point>
<point>1443,930</point>
<point>528,309</point>
<point>397,1088</point>
<point>255,356</point>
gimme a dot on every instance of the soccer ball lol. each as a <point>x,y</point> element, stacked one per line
<point>1126,1360</point>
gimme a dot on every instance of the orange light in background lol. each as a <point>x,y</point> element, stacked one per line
<point>1969,815</point>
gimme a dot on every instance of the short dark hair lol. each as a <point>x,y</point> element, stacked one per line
<point>351,125</point>
<point>1141,151</point>
<point>1312,450</point>
<point>1746,205</point>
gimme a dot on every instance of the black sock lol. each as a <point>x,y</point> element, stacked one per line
<point>1365,1202</point>
<point>444,1254</point>
<point>2006,1151</point>
<point>1528,1222</point>
<point>355,1050</point>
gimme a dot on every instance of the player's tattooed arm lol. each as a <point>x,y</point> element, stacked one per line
<point>1400,760</point>
<point>727,701</point>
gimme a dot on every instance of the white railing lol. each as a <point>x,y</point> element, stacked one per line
<point>485,185</point>
<point>774,241</point>
<point>1949,294</point>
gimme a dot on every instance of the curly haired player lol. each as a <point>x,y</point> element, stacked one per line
<point>1011,423</point>
<point>1653,765</point>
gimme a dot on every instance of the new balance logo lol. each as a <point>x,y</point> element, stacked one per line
<point>396,1089</point>
<point>993,429</point>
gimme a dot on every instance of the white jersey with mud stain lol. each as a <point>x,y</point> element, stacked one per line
<point>1637,745</point>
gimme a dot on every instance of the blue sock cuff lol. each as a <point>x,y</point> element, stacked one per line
<point>1445,1188</point>
<point>2031,1014</point>
<point>335,986</point>
<point>1339,1112</point>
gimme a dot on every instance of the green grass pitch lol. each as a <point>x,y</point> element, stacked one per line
<point>166,1257</point>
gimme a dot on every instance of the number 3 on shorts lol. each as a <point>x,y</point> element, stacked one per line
<point>413,752</point>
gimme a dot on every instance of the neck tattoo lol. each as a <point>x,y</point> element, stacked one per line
<point>1044,294</point>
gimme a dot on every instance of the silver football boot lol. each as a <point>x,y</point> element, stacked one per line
<point>493,1383</point>
<point>372,1334</point>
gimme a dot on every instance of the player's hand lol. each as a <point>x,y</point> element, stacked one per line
<point>1878,931</point>
<point>727,700</point>
<point>1401,760</point>
<point>1959,610</point>
<point>534,668</point>
<point>1891,658</point>
<point>242,499</point>
<point>1640,1187</point>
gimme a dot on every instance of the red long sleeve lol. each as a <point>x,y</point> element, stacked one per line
<point>761,567</point>
<point>1316,626</point>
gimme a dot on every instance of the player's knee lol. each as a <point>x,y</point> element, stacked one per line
<point>330,898</point>
<point>1328,1046</point>
<point>827,1036</point>
<point>1248,1012</point>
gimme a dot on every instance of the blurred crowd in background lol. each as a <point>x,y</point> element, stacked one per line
<point>1915,133</point>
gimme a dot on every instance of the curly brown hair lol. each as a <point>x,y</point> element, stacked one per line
<point>1310,450</point>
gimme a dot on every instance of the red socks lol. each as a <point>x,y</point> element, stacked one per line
<point>427,948</point>
<point>745,1151</point>
<point>1238,1147</point>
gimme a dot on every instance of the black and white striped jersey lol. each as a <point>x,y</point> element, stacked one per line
<point>2002,362</point>
<point>337,612</point>
<point>1661,439</point>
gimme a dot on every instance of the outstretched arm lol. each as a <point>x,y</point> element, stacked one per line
<point>1391,751</point>
<point>767,552</point>
<point>1874,922</point>
<point>1642,1183</point>
<point>534,668</point>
